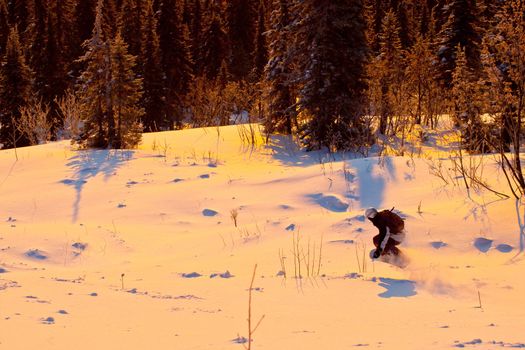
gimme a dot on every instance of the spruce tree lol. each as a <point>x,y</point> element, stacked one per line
<point>461,28</point>
<point>83,22</point>
<point>504,64</point>
<point>374,13</point>
<point>196,33</point>
<point>214,47</point>
<point>261,47</point>
<point>386,73</point>
<point>281,114</point>
<point>186,12</point>
<point>15,91</point>
<point>131,20</point>
<point>49,52</point>
<point>487,10</point>
<point>331,53</point>
<point>441,12</point>
<point>467,105</point>
<point>4,26</point>
<point>156,5</point>
<point>39,38</point>
<point>422,80</point>
<point>424,20</point>
<point>126,92</point>
<point>19,14</point>
<point>150,57</point>
<point>175,59</point>
<point>94,89</point>
<point>57,54</point>
<point>405,31</point>
<point>62,15</point>
<point>109,90</point>
<point>109,18</point>
<point>241,17</point>
<point>108,10</point>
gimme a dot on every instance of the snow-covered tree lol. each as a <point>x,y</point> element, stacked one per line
<point>93,88</point>
<point>109,93</point>
<point>331,51</point>
<point>126,92</point>
<point>109,90</point>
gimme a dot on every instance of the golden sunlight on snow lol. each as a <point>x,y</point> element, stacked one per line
<point>155,248</point>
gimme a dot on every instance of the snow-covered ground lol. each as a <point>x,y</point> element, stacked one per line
<point>140,250</point>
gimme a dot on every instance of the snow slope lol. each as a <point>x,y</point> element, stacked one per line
<point>139,249</point>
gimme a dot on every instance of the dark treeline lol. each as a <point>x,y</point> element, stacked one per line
<point>335,73</point>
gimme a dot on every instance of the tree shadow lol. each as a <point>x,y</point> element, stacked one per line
<point>372,183</point>
<point>288,152</point>
<point>88,164</point>
<point>521,223</point>
<point>397,288</point>
<point>329,202</point>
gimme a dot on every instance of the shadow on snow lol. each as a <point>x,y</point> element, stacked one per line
<point>397,288</point>
<point>371,184</point>
<point>89,164</point>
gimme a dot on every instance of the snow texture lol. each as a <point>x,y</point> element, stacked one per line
<point>136,248</point>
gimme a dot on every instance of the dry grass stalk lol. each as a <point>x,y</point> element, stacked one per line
<point>251,330</point>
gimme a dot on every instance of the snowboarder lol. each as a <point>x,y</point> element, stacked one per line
<point>391,231</point>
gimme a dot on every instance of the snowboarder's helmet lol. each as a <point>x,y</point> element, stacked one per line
<point>371,213</point>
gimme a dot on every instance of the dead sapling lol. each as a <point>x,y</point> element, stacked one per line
<point>361,260</point>
<point>251,330</point>
<point>234,213</point>
<point>164,149</point>
<point>310,255</point>
<point>282,259</point>
<point>479,299</point>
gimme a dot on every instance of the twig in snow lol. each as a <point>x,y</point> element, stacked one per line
<point>251,330</point>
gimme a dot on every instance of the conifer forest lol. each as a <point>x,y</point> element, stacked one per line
<point>336,74</point>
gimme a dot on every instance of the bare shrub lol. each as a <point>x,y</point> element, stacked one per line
<point>216,103</point>
<point>307,256</point>
<point>33,122</point>
<point>70,108</point>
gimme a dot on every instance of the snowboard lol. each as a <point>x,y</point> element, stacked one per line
<point>400,260</point>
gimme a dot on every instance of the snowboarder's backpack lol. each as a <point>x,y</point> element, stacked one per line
<point>394,222</point>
